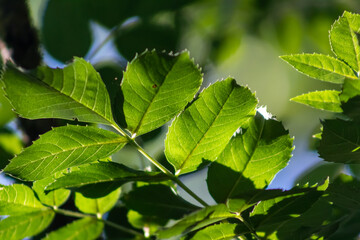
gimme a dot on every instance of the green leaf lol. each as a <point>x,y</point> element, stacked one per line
<point>222,231</point>
<point>156,87</point>
<point>10,144</point>
<point>319,173</point>
<point>75,92</point>
<point>157,200</point>
<point>99,179</point>
<point>54,198</point>
<point>86,228</point>
<point>26,225</point>
<point>64,147</point>
<point>203,129</point>
<point>97,205</point>
<point>320,67</point>
<point>197,220</point>
<point>328,100</point>
<point>344,39</point>
<point>351,88</point>
<point>18,199</point>
<point>147,223</point>
<point>340,141</point>
<point>250,160</point>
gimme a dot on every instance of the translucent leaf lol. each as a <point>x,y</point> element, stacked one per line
<point>75,92</point>
<point>97,205</point>
<point>99,179</point>
<point>156,87</point>
<point>197,220</point>
<point>86,228</point>
<point>203,129</point>
<point>10,144</point>
<point>222,231</point>
<point>340,141</point>
<point>53,198</point>
<point>26,225</point>
<point>18,199</point>
<point>320,67</point>
<point>250,160</point>
<point>344,39</point>
<point>64,147</point>
<point>328,100</point>
<point>351,88</point>
<point>157,200</point>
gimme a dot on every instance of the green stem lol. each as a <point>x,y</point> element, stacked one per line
<point>82,215</point>
<point>252,230</point>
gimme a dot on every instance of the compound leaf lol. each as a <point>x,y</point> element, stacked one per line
<point>344,39</point>
<point>328,100</point>
<point>64,147</point>
<point>26,225</point>
<point>320,67</point>
<point>75,92</point>
<point>158,200</point>
<point>97,205</point>
<point>18,199</point>
<point>197,220</point>
<point>99,179</point>
<point>156,87</point>
<point>222,231</point>
<point>86,228</point>
<point>250,160</point>
<point>203,129</point>
<point>340,141</point>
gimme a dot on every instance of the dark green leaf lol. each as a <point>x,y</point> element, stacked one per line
<point>325,100</point>
<point>222,231</point>
<point>203,129</point>
<point>157,200</point>
<point>321,67</point>
<point>156,87</point>
<point>26,225</point>
<point>148,223</point>
<point>352,108</point>
<point>75,92</point>
<point>64,147</point>
<point>86,228</point>
<point>340,141</point>
<point>319,173</point>
<point>250,160</point>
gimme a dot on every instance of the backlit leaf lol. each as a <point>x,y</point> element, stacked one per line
<point>203,129</point>
<point>26,225</point>
<point>328,100</point>
<point>222,231</point>
<point>64,147</point>
<point>320,67</point>
<point>75,92</point>
<point>250,160</point>
<point>156,87</point>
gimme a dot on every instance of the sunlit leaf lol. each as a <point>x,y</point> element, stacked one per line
<point>86,228</point>
<point>203,129</point>
<point>75,92</point>
<point>64,147</point>
<point>26,225</point>
<point>222,231</point>
<point>320,67</point>
<point>156,87</point>
<point>250,160</point>
<point>328,100</point>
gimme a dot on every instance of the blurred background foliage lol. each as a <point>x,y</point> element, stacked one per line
<point>239,38</point>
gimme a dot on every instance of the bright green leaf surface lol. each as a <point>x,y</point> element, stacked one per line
<point>108,175</point>
<point>250,160</point>
<point>86,228</point>
<point>156,87</point>
<point>203,129</point>
<point>157,200</point>
<point>344,40</point>
<point>26,225</point>
<point>76,91</point>
<point>10,144</point>
<point>18,199</point>
<point>328,100</point>
<point>320,67</point>
<point>351,88</point>
<point>97,205</point>
<point>340,141</point>
<point>64,147</point>
<point>53,198</point>
<point>222,231</point>
<point>197,220</point>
